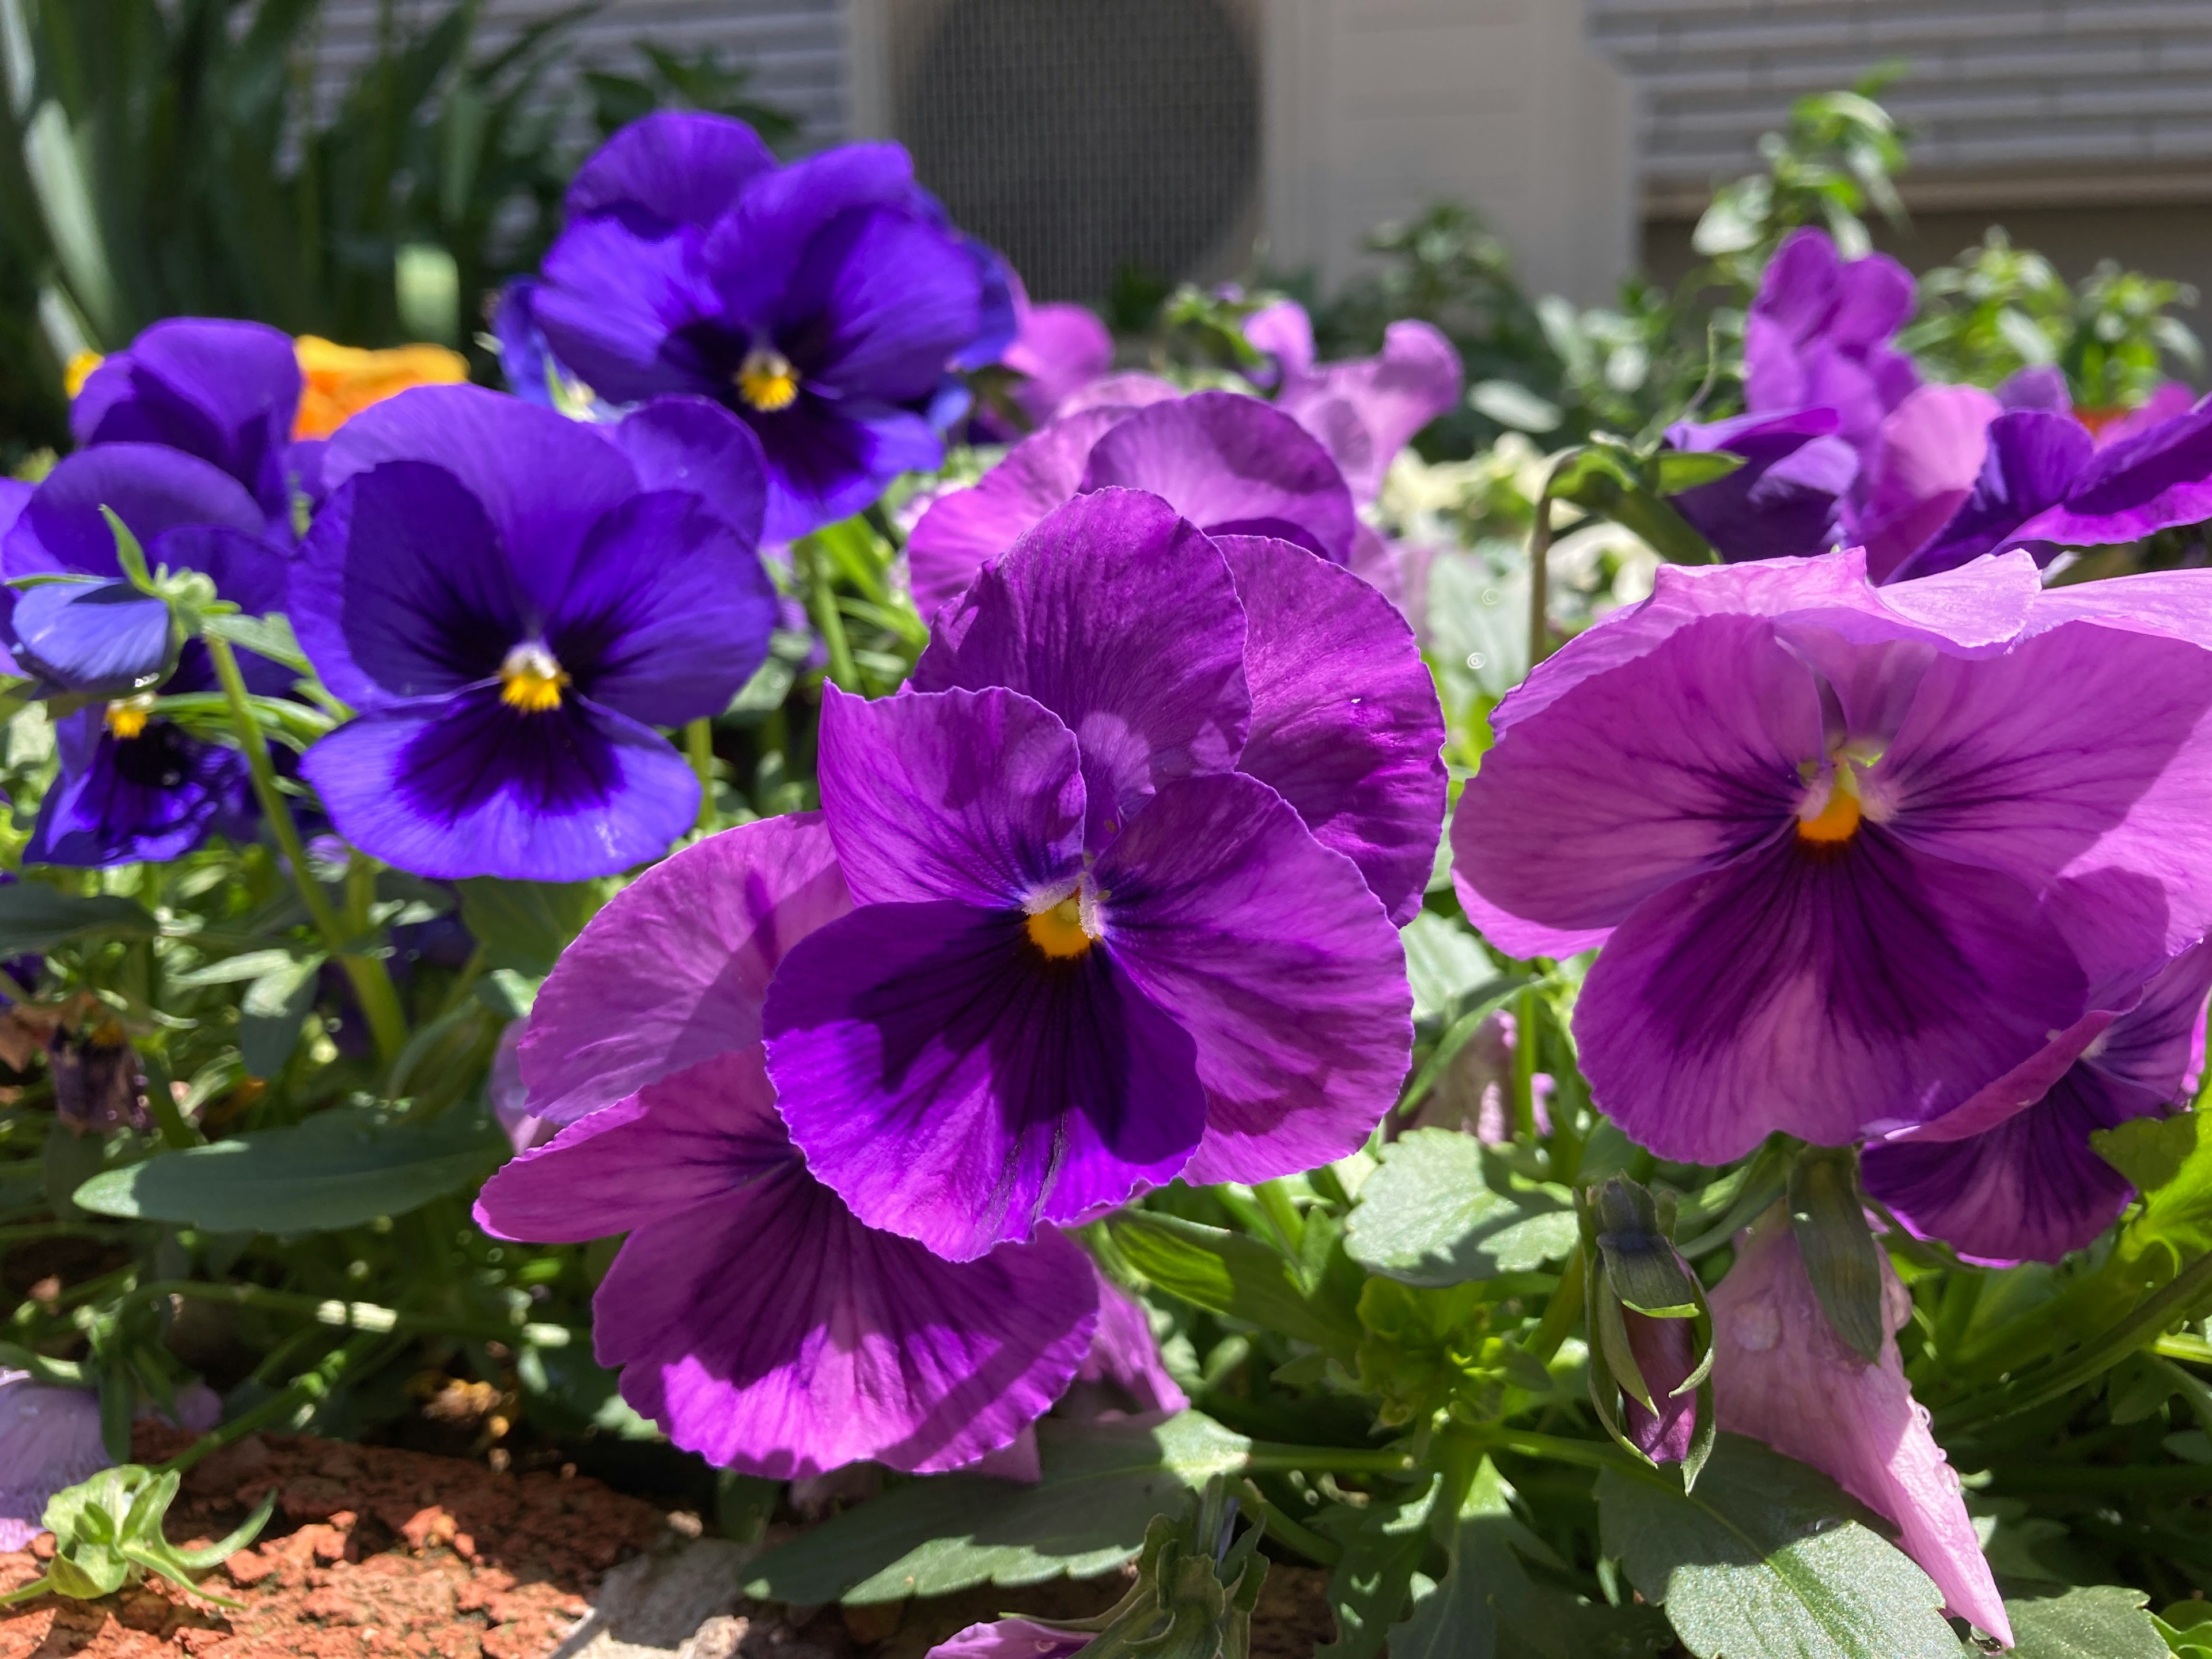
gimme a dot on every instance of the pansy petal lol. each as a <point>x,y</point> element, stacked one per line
<point>1346,725</point>
<point>968,795</point>
<point>1387,399</point>
<point>465,786</point>
<point>691,443</point>
<point>1285,332</point>
<point>223,390</point>
<point>965,528</point>
<point>542,479</point>
<point>827,460</point>
<point>1784,499</point>
<point>1131,389</point>
<point>1124,621</point>
<point>2161,476</point>
<point>1059,348</point>
<point>100,638</point>
<point>755,249</point>
<point>2018,764</point>
<point>955,1084</point>
<point>49,1441</point>
<point>891,300</point>
<point>1667,767</point>
<point>622,310</point>
<point>647,1158</point>
<point>667,611</point>
<point>2034,459</point>
<point>1011,1638</point>
<point>1920,469</point>
<point>151,489</point>
<point>1818,987</point>
<point>1233,465</point>
<point>1268,949</point>
<point>139,801</point>
<point>681,166</point>
<point>402,589</point>
<point>676,968</point>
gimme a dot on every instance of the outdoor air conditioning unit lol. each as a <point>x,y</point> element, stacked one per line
<point>1083,136</point>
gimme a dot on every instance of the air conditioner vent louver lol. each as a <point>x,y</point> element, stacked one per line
<point>1080,136</point>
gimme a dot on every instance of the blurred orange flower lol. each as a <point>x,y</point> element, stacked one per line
<point>339,381</point>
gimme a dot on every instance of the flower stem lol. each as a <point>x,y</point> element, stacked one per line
<point>372,984</point>
<point>1284,1530</point>
<point>1337,1459</point>
<point>308,1390</point>
<point>699,748</point>
<point>1561,1311</point>
<point>822,601</point>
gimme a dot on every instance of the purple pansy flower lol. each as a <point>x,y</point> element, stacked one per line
<point>1363,409</point>
<point>1819,336</point>
<point>2030,1186</point>
<point>1011,1638</point>
<point>49,1440</point>
<point>752,1315</point>
<point>1057,349</point>
<point>1854,852</point>
<point>514,601</point>
<point>1787,497</point>
<point>1078,966</point>
<point>826,303</point>
<point>1230,464</point>
<point>1782,1375</point>
<point>225,392</point>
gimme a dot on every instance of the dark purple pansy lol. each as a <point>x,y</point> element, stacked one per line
<point>1786,498</point>
<point>225,392</point>
<point>2030,1187</point>
<point>1088,954</point>
<point>512,601</point>
<point>1230,464</point>
<point>826,303</point>
<point>752,1314</point>
<point>1821,829</point>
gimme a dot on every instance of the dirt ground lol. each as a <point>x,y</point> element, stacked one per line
<point>375,1551</point>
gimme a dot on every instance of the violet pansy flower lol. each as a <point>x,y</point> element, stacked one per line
<point>1854,852</point>
<point>514,601</point>
<point>49,1440</point>
<point>1229,464</point>
<point>1364,409</point>
<point>1786,499</point>
<point>2030,1187</point>
<point>1819,336</point>
<point>825,303</point>
<point>752,1314</point>
<point>1057,349</point>
<point>1076,968</point>
<point>1782,1375</point>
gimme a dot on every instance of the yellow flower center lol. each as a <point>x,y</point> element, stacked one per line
<point>531,680</point>
<point>767,380</point>
<point>1058,932</point>
<point>1837,820</point>
<point>128,718</point>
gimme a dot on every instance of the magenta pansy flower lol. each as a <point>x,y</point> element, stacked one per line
<point>751,1314</point>
<point>1855,854</point>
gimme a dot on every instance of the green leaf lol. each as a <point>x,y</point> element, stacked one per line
<point>525,925</point>
<point>270,1015</point>
<point>1828,1218</point>
<point>1512,404</point>
<point>1102,1483</point>
<point>2150,1152</point>
<point>1384,1544</point>
<point>2096,1621</point>
<point>339,1168</point>
<point>1430,1217</point>
<point>1443,962</point>
<point>35,918</point>
<point>1679,469</point>
<point>1767,1557</point>
<point>269,636</point>
<point>1228,1273</point>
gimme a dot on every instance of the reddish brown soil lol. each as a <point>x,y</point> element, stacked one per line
<point>375,1550</point>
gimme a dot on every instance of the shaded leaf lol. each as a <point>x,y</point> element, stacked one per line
<point>1102,1485</point>
<point>2095,1622</point>
<point>35,918</point>
<point>1229,1273</point>
<point>1430,1217</point>
<point>525,925</point>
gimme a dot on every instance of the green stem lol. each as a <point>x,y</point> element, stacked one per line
<point>1284,1530</point>
<point>1337,1459</point>
<point>2190,1350</point>
<point>2097,1356</point>
<point>1561,1311</point>
<point>1282,1216</point>
<point>822,604</point>
<point>1558,1448</point>
<point>308,1389</point>
<point>1539,571</point>
<point>161,1101</point>
<point>365,1316</point>
<point>372,982</point>
<point>1524,1066</point>
<point>699,749</point>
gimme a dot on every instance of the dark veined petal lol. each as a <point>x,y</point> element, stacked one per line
<point>888,300</point>
<point>827,459</point>
<point>1346,725</point>
<point>1124,621</point>
<point>967,795</point>
<point>1818,989</point>
<point>466,786</point>
<point>1268,949</point>
<point>765,1328</point>
<point>629,311</point>
<point>676,968</point>
<point>954,1084</point>
<point>134,800</point>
